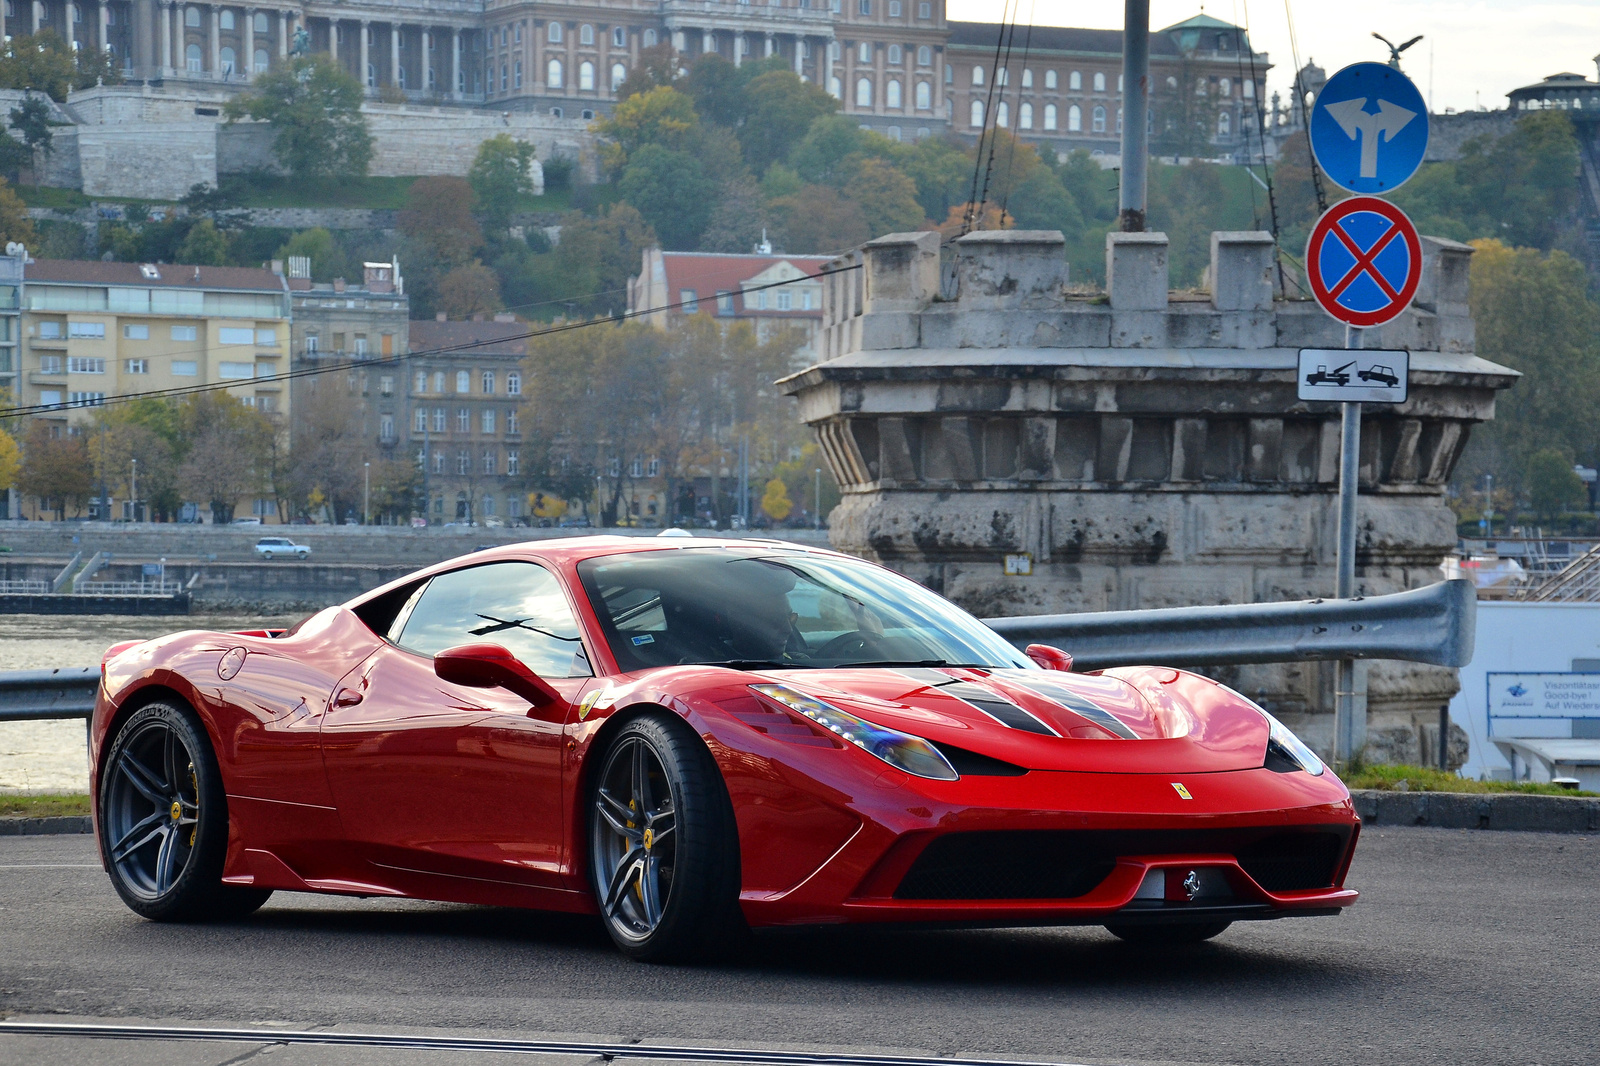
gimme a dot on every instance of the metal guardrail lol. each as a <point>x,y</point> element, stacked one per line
<point>33,695</point>
<point>1428,625</point>
<point>1434,625</point>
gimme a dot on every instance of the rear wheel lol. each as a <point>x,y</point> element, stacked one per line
<point>663,850</point>
<point>1170,934</point>
<point>164,820</point>
<point>266,555</point>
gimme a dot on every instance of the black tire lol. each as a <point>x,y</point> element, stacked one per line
<point>164,820</point>
<point>266,555</point>
<point>1168,935</point>
<point>302,555</point>
<point>666,880</point>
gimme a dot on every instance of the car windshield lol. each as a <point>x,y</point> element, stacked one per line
<point>755,608</point>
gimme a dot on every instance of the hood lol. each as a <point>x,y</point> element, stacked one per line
<point>1127,720</point>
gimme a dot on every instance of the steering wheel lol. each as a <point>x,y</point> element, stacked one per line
<point>849,645</point>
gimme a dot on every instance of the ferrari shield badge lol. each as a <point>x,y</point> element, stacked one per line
<point>1181,790</point>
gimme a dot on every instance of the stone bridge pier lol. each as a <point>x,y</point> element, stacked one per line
<point>1142,448</point>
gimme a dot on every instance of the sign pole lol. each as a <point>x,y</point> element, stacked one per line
<point>1344,703</point>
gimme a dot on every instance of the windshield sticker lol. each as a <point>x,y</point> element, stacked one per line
<point>643,638</point>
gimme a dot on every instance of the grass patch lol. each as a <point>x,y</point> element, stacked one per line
<point>1424,779</point>
<point>45,196</point>
<point>43,806</point>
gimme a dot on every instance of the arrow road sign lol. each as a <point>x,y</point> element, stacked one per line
<point>1353,376</point>
<point>1364,261</point>
<point>1369,128</point>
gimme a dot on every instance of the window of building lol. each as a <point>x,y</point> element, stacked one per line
<point>1049,116</point>
<point>49,364</point>
<point>864,52</point>
<point>85,399</point>
<point>185,368</point>
<point>266,338</point>
<point>488,501</point>
<point>312,343</point>
<point>191,18</point>
<point>1074,119</point>
<point>891,94</point>
<point>894,9</point>
<point>386,386</point>
<point>463,463</point>
<point>1119,83</point>
<point>192,60</point>
<point>185,333</point>
<point>236,371</point>
<point>553,33</point>
<point>438,468</point>
<point>688,301</point>
<point>227,19</point>
<point>513,383</point>
<point>636,468</point>
<point>649,38</point>
<point>896,55</point>
<point>864,92</point>
<point>136,333</point>
<point>513,462</point>
<point>463,381</point>
<point>619,74</point>
<point>619,37</point>
<point>924,96</point>
<point>486,420</point>
<point>724,302</point>
<point>552,74</point>
<point>925,10</point>
<point>1099,119</point>
<point>586,34</point>
<point>419,382</point>
<point>1099,81</point>
<point>1075,80</point>
<point>49,330</point>
<point>1225,87</point>
<point>50,398</point>
<point>1002,77</point>
<point>386,427</point>
<point>785,301</point>
<point>261,22</point>
<point>81,364</point>
<point>1027,79</point>
<point>977,75</point>
<point>924,56</point>
<point>516,74</point>
<point>438,381</point>
<point>86,331</point>
<point>1002,114</point>
<point>586,76</point>
<point>136,366</point>
<point>516,33</point>
<point>1224,125</point>
<point>438,419</point>
<point>463,420</point>
<point>229,60</point>
<point>486,380</point>
<point>1049,79</point>
<point>235,335</point>
<point>976,119</point>
<point>865,7</point>
<point>1024,116</point>
<point>505,71</point>
<point>1119,120</point>
<point>422,420</point>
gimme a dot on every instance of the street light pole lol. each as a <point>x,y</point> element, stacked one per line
<point>133,490</point>
<point>1135,105</point>
<point>366,494</point>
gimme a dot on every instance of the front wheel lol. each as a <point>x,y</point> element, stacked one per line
<point>1171,935</point>
<point>164,820</point>
<point>663,849</point>
<point>266,555</point>
<point>302,555</point>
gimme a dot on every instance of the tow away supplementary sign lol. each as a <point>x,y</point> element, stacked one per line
<point>1369,128</point>
<point>1353,375</point>
<point>1364,261</point>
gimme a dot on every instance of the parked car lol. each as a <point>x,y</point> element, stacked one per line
<point>247,521</point>
<point>272,547</point>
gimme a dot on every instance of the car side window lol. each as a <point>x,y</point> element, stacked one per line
<point>518,605</point>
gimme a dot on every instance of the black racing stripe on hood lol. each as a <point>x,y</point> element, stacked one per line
<point>1077,704</point>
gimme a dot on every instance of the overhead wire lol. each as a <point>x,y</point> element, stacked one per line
<point>1002,81</point>
<point>180,391</point>
<point>1027,42</point>
<point>1266,170</point>
<point>1305,112</point>
<point>1007,16</point>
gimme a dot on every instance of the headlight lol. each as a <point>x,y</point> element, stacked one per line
<point>900,750</point>
<point>1282,742</point>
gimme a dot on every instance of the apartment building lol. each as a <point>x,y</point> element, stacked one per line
<point>770,292</point>
<point>465,397</point>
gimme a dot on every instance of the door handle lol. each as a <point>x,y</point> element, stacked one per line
<point>347,697</point>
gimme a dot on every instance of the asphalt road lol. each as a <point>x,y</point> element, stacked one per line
<point>1467,947</point>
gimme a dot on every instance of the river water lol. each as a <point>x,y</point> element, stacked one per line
<point>53,756</point>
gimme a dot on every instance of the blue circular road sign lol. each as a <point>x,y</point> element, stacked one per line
<point>1369,128</point>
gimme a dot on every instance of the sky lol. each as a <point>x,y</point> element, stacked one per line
<point>1473,51</point>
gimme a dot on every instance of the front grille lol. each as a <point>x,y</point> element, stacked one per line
<point>1068,863</point>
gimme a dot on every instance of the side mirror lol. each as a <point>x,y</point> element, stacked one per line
<point>491,666</point>
<point>1048,658</point>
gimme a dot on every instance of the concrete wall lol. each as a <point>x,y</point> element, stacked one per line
<point>117,160</point>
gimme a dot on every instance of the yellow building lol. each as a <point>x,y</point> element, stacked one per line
<point>93,329</point>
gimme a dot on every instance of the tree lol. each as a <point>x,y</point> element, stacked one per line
<point>658,65</point>
<point>775,502</point>
<point>205,245</point>
<point>315,109</point>
<point>31,118</point>
<point>942,171</point>
<point>468,290</point>
<point>887,198</point>
<point>671,190</point>
<point>56,470</point>
<point>738,219</point>
<point>1184,112</point>
<point>1040,201</point>
<point>328,260</point>
<point>15,225</point>
<point>500,178</point>
<point>778,110</point>
<point>10,455</point>
<point>122,450</point>
<point>1553,486</point>
<point>1533,313</point>
<point>229,454</point>
<point>817,220</point>
<point>831,151</point>
<point>662,116</point>
<point>438,213</point>
<point>396,489</point>
<point>46,62</point>
<point>596,257</point>
<point>326,453</point>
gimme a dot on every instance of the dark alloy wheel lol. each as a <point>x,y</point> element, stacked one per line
<point>164,820</point>
<point>1169,935</point>
<point>663,851</point>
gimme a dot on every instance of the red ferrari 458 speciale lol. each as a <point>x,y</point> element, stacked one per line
<point>689,737</point>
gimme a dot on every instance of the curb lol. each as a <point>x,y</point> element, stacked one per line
<point>13,826</point>
<point>1510,811</point>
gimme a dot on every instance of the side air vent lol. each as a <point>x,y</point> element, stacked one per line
<point>972,764</point>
